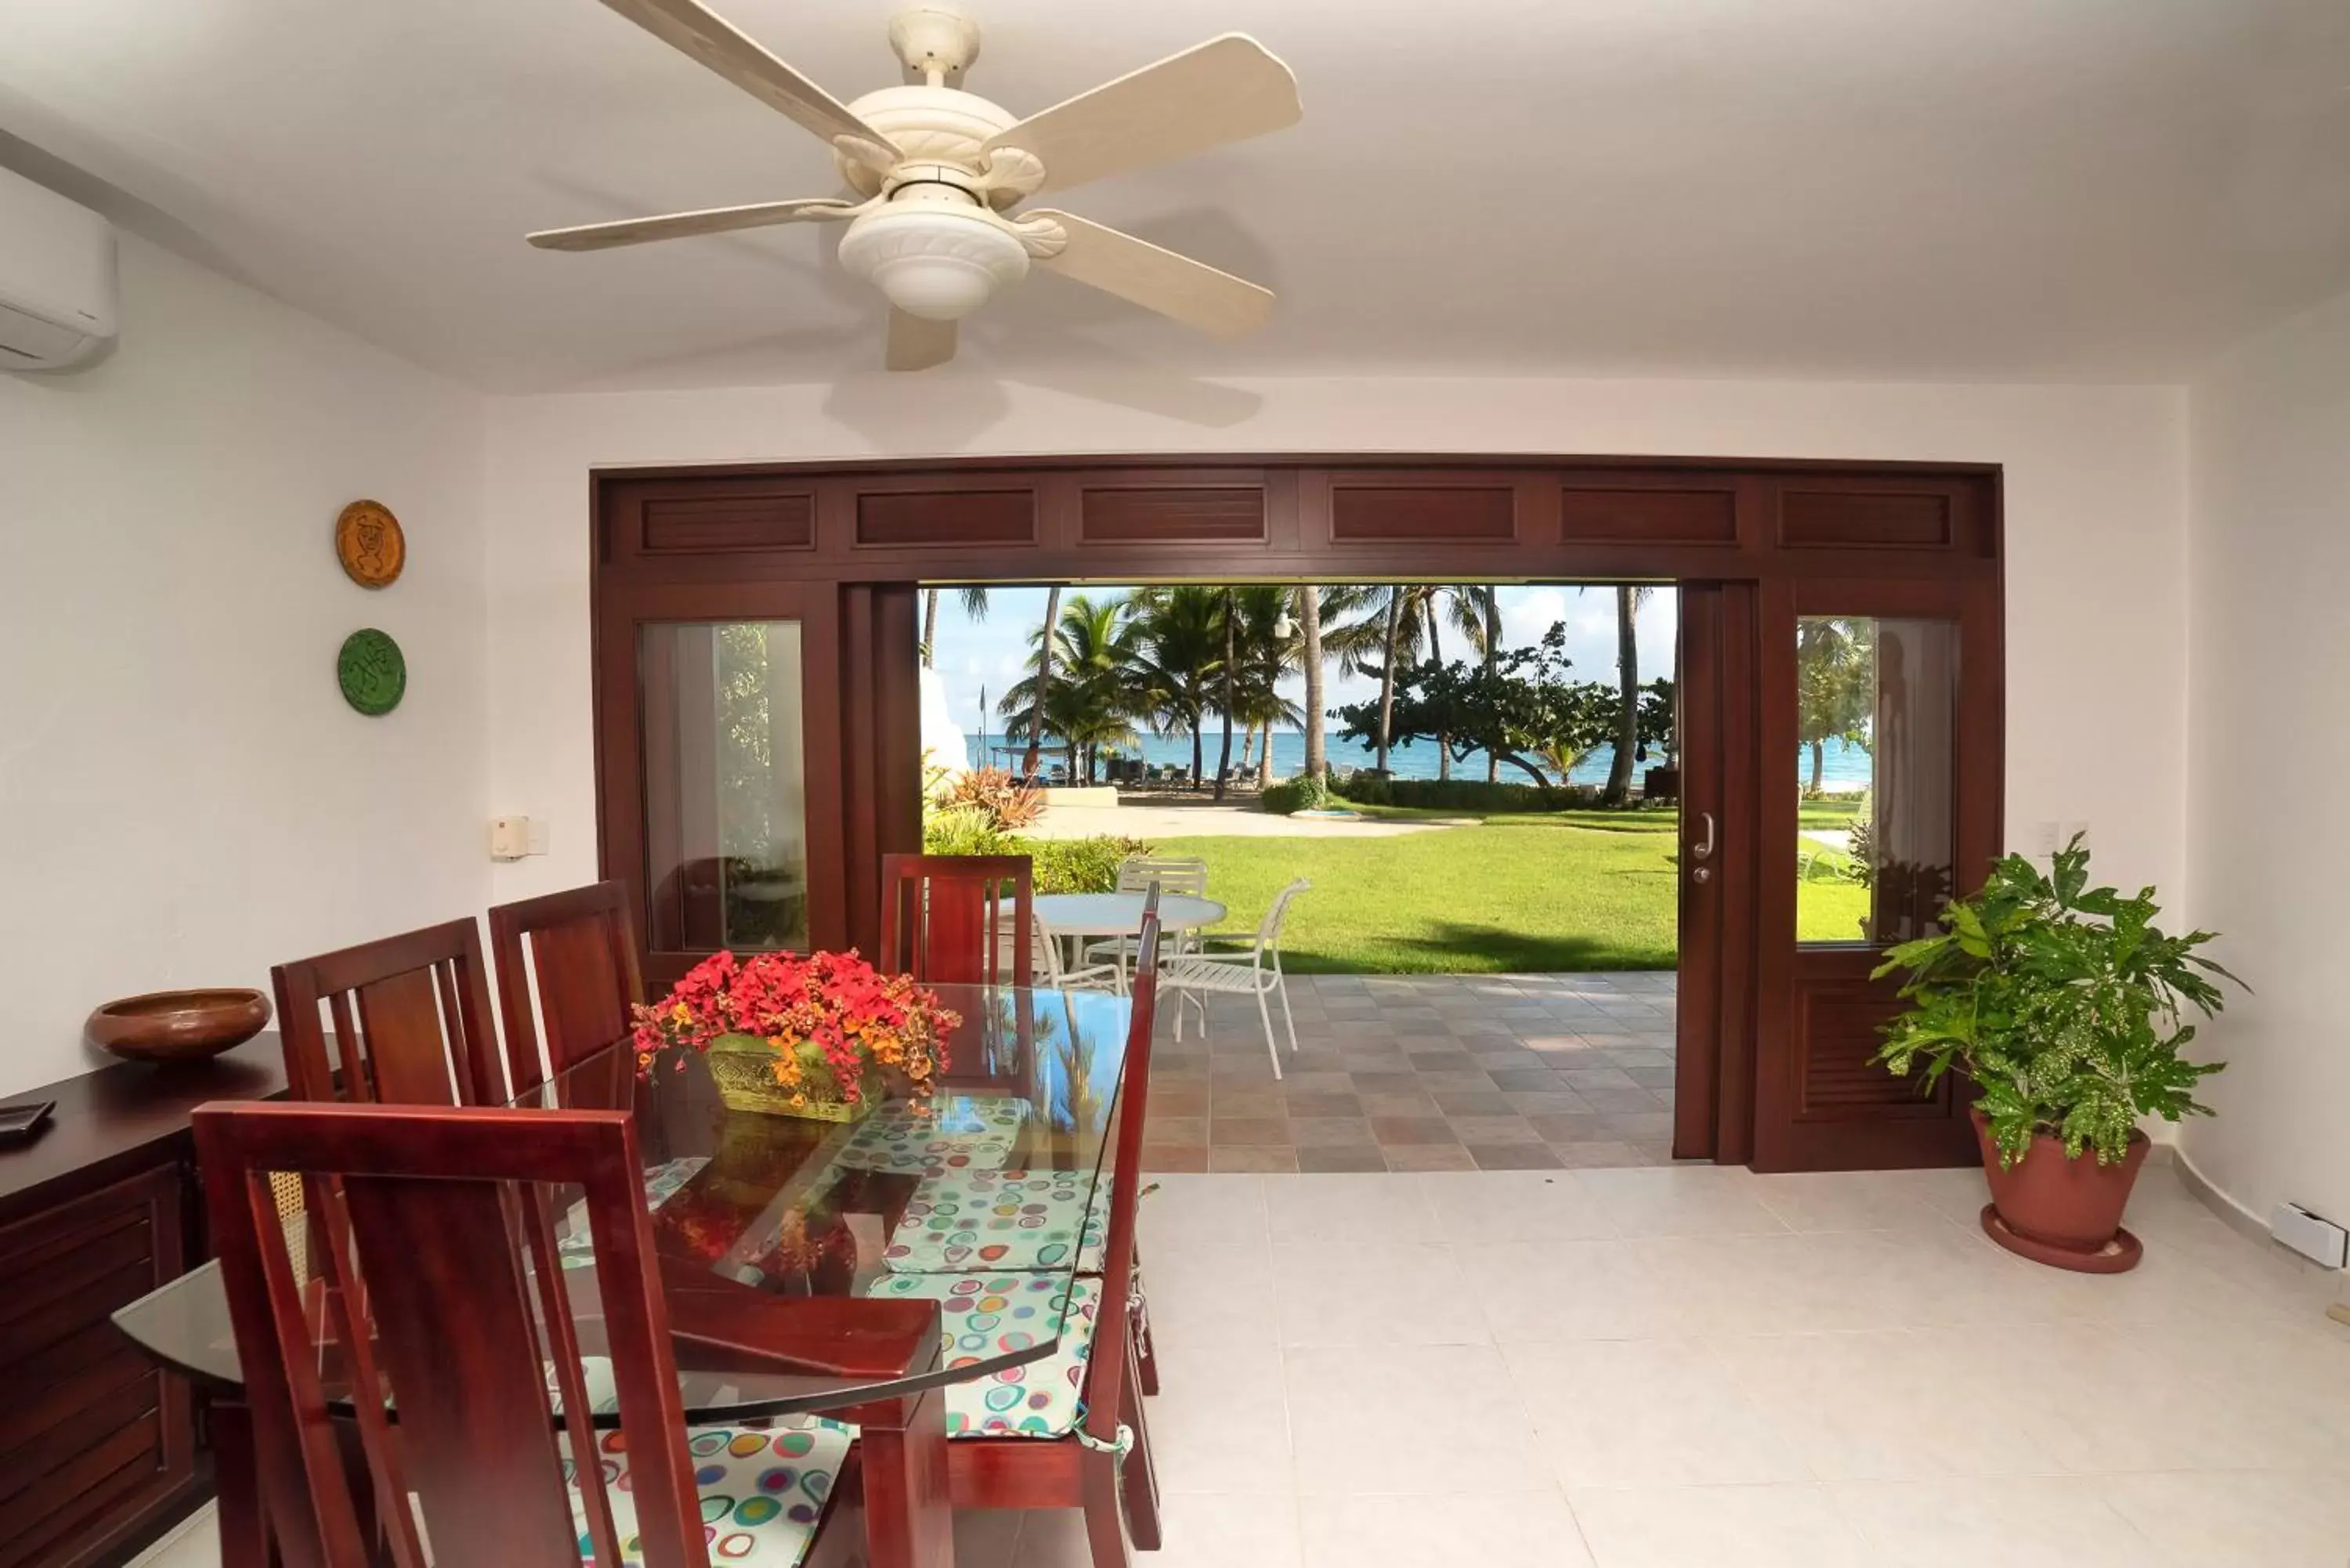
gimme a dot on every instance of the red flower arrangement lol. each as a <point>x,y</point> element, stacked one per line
<point>832,1026</point>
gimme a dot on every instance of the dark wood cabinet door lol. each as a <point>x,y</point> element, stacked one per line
<point>96,1442</point>
<point>1880,703</point>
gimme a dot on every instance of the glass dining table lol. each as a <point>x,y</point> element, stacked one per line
<point>752,1212</point>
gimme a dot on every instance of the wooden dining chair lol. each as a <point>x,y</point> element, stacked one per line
<point>409,1018</point>
<point>577,952</point>
<point>446,1234</point>
<point>942,919</point>
<point>1068,1431</point>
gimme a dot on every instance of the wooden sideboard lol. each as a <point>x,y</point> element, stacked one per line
<point>98,1446</point>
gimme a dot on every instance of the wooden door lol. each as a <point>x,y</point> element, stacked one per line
<point>720,740</point>
<point>1900,683</point>
<point>1713,1080</point>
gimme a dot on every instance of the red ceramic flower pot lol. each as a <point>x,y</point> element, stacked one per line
<point>2059,1210</point>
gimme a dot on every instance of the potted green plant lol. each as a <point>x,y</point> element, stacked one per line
<point>2068,1009</point>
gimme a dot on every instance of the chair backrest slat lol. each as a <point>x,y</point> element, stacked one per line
<point>579,948</point>
<point>941,918</point>
<point>439,1208</point>
<point>1106,1365</point>
<point>411,1017</point>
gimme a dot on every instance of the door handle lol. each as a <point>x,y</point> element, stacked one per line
<point>1704,851</point>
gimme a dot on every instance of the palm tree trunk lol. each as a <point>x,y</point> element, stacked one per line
<point>930,628</point>
<point>1628,686</point>
<point>1436,656</point>
<point>1232,659</point>
<point>1387,674</point>
<point>1492,652</point>
<point>1309,617</point>
<point>1819,763</point>
<point>1043,682</point>
<point>1196,718</point>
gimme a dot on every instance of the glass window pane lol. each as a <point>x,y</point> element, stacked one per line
<point>1877,707</point>
<point>725,797</point>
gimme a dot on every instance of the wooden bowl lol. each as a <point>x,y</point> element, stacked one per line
<point>179,1025</point>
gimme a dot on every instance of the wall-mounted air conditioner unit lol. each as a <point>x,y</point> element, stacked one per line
<point>57,278</point>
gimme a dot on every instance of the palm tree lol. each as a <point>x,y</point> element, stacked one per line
<point>1263,656</point>
<point>1836,685</point>
<point>1178,637</point>
<point>1309,622</point>
<point>1232,676</point>
<point>1090,702</point>
<point>1492,652</point>
<point>1043,681</point>
<point>1388,631</point>
<point>1628,600</point>
<point>975,604</point>
<point>1468,603</point>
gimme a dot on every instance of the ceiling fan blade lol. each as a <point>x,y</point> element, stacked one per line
<point>1226,89</point>
<point>694,29</point>
<point>684,225</point>
<point>1193,293</point>
<point>917,343</point>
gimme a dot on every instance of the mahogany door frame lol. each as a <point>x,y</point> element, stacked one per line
<point>1757,531</point>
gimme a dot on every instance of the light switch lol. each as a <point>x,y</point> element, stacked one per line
<point>509,837</point>
<point>538,835</point>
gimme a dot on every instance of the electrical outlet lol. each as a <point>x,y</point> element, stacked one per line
<point>2044,841</point>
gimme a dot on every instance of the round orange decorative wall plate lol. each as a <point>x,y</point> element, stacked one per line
<point>369,544</point>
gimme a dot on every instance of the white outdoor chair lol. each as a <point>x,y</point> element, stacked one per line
<point>1256,972</point>
<point>1056,974</point>
<point>1174,874</point>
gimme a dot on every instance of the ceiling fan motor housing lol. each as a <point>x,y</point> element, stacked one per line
<point>934,252</point>
<point>932,124</point>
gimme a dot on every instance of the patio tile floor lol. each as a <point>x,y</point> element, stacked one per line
<point>1423,1072</point>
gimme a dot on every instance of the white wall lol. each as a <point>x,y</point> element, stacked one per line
<point>184,796</point>
<point>2269,748</point>
<point>2095,533</point>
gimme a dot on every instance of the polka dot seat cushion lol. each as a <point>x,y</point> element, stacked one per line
<point>763,1491</point>
<point>984,1315</point>
<point>1007,1220</point>
<point>954,1132</point>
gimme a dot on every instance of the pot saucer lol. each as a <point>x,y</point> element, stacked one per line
<point>2117,1256</point>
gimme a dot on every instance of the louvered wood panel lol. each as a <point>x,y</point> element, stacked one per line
<point>1172,515</point>
<point>1837,1024</point>
<point>91,1433</point>
<point>1364,513</point>
<point>1647,515</point>
<point>1867,519</point>
<point>955,517</point>
<point>721,524</point>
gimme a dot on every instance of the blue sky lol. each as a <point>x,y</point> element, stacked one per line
<point>993,653</point>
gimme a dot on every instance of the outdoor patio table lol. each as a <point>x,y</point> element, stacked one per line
<point>1074,917</point>
<point>753,1215</point>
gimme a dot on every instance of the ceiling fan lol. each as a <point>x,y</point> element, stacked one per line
<point>936,170</point>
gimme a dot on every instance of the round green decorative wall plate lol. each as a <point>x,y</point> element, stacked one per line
<point>372,672</point>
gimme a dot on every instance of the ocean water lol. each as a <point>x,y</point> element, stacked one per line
<point>1846,767</point>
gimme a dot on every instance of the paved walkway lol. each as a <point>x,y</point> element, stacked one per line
<point>1434,1072</point>
<point>1173,820</point>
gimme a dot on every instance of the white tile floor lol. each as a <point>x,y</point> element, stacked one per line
<point>1694,1367</point>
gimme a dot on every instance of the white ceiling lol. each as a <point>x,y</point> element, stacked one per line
<point>1932,189</point>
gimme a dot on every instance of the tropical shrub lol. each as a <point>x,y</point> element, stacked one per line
<point>1078,865</point>
<point>2064,1001</point>
<point>1367,788</point>
<point>963,830</point>
<point>1307,792</point>
<point>1006,802</point>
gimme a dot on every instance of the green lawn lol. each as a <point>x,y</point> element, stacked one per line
<point>1537,891</point>
<point>1554,891</point>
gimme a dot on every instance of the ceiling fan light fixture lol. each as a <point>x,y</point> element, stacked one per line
<point>932,260</point>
